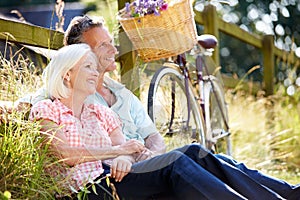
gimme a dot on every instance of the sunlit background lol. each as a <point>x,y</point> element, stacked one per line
<point>264,130</point>
<point>276,17</point>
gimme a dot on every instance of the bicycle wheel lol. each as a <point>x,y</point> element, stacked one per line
<point>167,107</point>
<point>216,115</point>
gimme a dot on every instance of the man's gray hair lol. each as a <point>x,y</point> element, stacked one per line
<point>77,26</point>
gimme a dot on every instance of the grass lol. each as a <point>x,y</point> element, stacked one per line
<point>22,161</point>
<point>265,133</point>
<point>23,155</point>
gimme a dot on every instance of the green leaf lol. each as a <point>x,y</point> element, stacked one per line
<point>98,181</point>
<point>7,194</point>
<point>79,195</point>
<point>73,189</point>
<point>107,181</point>
<point>94,189</point>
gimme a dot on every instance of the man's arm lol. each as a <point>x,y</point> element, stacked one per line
<point>155,143</point>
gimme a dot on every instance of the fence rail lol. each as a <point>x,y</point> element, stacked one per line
<point>213,24</point>
<point>30,34</point>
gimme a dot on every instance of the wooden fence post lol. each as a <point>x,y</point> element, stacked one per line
<point>210,19</point>
<point>127,59</point>
<point>268,63</point>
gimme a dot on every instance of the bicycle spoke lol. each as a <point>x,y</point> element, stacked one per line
<point>169,110</point>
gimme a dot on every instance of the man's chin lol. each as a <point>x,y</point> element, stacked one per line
<point>111,68</point>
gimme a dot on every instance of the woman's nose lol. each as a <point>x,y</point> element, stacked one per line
<point>96,72</point>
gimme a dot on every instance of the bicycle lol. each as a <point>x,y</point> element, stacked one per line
<point>187,103</point>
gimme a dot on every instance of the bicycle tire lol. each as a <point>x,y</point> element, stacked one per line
<point>159,109</point>
<point>216,115</point>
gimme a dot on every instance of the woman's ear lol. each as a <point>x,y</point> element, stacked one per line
<point>67,77</point>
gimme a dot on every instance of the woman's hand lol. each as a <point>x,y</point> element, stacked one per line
<point>120,167</point>
<point>132,147</point>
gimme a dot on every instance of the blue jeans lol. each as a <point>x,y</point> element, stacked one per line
<point>237,175</point>
<point>190,172</point>
<point>279,186</point>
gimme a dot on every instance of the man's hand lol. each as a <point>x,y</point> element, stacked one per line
<point>120,167</point>
<point>155,143</point>
<point>146,154</point>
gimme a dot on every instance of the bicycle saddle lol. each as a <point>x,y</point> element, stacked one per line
<point>207,41</point>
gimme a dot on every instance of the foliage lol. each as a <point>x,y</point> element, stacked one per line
<point>18,76</point>
<point>22,154</point>
<point>272,17</point>
<point>106,8</point>
<point>22,159</point>
<point>263,139</point>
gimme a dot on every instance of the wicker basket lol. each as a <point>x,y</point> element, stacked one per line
<point>171,33</point>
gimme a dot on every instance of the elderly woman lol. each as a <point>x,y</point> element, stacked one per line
<point>136,122</point>
<point>88,139</point>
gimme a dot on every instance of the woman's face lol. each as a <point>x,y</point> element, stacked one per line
<point>101,42</point>
<point>84,75</point>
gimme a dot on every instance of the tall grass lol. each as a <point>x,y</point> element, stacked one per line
<point>265,133</point>
<point>18,75</point>
<point>22,161</point>
<point>22,154</point>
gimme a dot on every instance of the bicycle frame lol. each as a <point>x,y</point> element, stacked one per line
<point>200,67</point>
<point>203,94</point>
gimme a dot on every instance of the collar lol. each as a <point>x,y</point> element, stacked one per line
<point>64,109</point>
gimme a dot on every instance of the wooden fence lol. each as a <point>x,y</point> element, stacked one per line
<point>42,37</point>
<point>213,25</point>
<point>27,34</point>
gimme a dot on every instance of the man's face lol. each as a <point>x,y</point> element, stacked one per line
<point>101,43</point>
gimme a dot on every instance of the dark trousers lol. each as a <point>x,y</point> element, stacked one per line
<point>279,186</point>
<point>192,172</point>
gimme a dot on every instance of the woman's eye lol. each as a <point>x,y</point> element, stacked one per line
<point>93,67</point>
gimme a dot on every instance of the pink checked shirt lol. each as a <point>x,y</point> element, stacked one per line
<point>92,130</point>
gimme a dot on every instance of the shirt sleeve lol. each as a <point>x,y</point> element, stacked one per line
<point>143,122</point>
<point>109,118</point>
<point>44,109</point>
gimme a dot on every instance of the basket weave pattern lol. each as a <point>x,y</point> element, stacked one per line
<point>171,33</point>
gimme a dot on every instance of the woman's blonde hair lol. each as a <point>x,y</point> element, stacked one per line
<point>65,59</point>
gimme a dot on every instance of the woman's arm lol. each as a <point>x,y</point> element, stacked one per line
<point>117,137</point>
<point>75,155</point>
